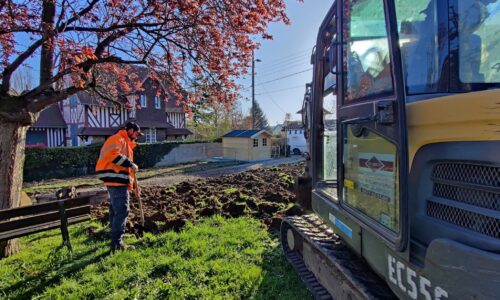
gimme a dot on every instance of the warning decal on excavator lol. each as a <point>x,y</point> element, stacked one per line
<point>376,175</point>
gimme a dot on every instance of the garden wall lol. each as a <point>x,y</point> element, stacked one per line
<point>190,152</point>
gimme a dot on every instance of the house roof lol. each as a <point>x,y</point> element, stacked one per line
<point>153,123</point>
<point>50,117</point>
<point>87,99</point>
<point>277,128</point>
<point>178,131</point>
<point>246,133</point>
<point>292,125</point>
<point>92,131</point>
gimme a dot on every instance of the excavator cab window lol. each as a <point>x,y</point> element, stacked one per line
<point>370,160</point>
<point>366,52</point>
<point>454,43</point>
<point>327,174</point>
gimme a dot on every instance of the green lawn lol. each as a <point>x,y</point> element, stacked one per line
<point>214,259</point>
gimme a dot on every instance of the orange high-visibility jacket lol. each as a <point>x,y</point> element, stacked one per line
<point>115,160</point>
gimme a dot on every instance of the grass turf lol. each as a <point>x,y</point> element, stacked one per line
<point>215,258</point>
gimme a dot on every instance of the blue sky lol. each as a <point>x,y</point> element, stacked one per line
<point>287,54</point>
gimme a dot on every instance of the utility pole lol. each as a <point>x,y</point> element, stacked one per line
<point>253,90</point>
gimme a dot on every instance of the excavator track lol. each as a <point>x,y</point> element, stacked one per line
<point>326,265</point>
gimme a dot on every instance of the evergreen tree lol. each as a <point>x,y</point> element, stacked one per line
<point>260,118</point>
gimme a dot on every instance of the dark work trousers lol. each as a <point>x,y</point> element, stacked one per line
<point>118,212</point>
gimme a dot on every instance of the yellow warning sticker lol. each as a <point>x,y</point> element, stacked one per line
<point>349,184</point>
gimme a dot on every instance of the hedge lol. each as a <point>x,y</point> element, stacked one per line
<point>79,161</point>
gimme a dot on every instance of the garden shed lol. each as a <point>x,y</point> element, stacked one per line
<point>247,145</point>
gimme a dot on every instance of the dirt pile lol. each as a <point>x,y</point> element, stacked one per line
<point>266,194</point>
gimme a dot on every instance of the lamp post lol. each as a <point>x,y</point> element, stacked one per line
<point>253,89</point>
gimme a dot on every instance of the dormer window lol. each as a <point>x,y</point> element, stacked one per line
<point>157,102</point>
<point>143,101</point>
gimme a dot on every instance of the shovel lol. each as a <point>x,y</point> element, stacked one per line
<point>135,186</point>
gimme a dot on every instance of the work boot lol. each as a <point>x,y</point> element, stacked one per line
<point>121,246</point>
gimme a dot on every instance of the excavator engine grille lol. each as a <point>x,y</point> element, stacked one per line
<point>466,195</point>
<point>468,173</point>
<point>474,221</point>
<point>475,197</point>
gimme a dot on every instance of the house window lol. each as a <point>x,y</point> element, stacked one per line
<point>131,113</point>
<point>256,142</point>
<point>143,101</point>
<point>295,131</point>
<point>157,102</point>
<point>150,135</point>
<point>264,142</point>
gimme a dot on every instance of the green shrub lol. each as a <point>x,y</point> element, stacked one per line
<point>147,155</point>
<point>60,162</point>
<point>80,161</point>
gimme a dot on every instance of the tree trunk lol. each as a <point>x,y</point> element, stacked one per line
<point>13,137</point>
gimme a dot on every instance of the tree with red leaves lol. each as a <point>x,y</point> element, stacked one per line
<point>78,43</point>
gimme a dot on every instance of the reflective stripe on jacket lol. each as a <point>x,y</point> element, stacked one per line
<point>115,159</point>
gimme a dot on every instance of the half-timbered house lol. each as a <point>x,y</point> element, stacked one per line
<point>91,120</point>
<point>49,130</point>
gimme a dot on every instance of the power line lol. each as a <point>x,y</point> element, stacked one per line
<point>293,54</point>
<point>276,63</point>
<point>285,76</point>
<point>273,101</point>
<point>284,89</point>
<point>280,70</point>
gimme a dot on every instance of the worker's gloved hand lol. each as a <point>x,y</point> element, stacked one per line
<point>135,167</point>
<point>137,191</point>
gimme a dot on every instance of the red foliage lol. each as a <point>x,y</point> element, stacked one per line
<point>95,45</point>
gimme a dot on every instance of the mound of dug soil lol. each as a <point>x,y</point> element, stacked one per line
<point>265,194</point>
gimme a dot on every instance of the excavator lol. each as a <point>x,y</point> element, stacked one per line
<point>402,183</point>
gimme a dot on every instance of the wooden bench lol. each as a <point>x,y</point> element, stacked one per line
<point>22,221</point>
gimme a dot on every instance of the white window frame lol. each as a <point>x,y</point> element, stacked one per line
<point>256,142</point>
<point>132,113</point>
<point>150,135</point>
<point>264,142</point>
<point>157,102</point>
<point>144,102</point>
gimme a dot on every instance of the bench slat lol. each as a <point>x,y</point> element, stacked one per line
<point>42,208</point>
<point>19,232</point>
<point>42,219</point>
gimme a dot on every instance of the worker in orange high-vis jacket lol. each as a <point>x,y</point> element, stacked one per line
<point>115,167</point>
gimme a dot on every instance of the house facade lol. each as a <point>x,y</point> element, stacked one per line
<point>49,130</point>
<point>90,120</point>
<point>294,132</point>
<point>247,145</point>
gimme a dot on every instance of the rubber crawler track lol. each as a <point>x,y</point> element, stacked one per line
<point>350,267</point>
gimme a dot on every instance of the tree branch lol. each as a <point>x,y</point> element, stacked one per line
<point>86,65</point>
<point>112,27</point>
<point>20,29</point>
<point>76,16</point>
<point>7,72</point>
<point>52,97</point>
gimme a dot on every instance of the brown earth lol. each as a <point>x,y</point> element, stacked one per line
<point>265,193</point>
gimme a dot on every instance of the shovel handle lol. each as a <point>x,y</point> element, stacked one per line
<point>135,186</point>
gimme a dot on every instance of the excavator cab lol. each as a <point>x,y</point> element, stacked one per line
<point>404,140</point>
